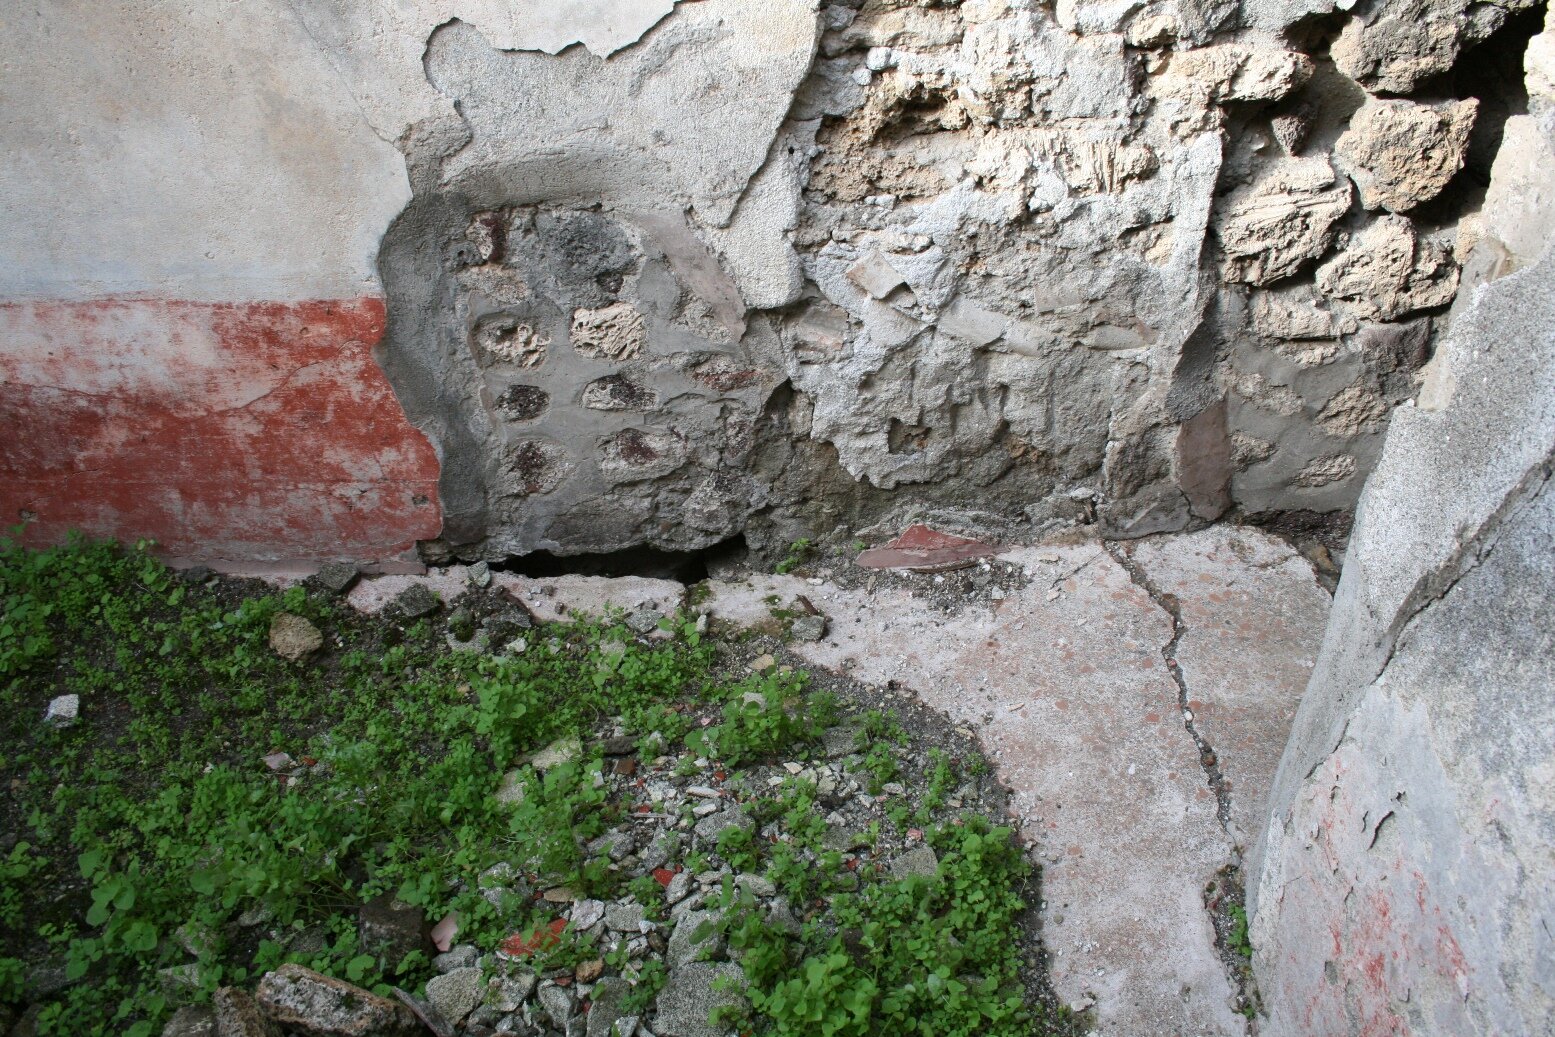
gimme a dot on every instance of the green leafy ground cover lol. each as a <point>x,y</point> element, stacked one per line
<point>142,842</point>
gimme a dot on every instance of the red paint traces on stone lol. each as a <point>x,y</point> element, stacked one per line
<point>256,431</point>
<point>664,876</point>
<point>521,946</point>
<point>922,549</point>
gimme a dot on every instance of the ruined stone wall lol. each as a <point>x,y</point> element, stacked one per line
<point>664,273</point>
<point>1404,884</point>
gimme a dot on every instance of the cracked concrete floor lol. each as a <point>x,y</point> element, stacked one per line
<point>1135,697</point>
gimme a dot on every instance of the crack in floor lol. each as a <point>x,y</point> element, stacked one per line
<point>1209,762</point>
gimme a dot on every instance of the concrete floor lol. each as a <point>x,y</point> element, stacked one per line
<point>1135,697</point>
<point>1076,684</point>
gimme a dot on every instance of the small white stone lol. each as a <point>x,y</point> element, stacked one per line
<point>63,711</point>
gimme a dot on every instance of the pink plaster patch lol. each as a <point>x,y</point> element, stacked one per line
<point>922,549</point>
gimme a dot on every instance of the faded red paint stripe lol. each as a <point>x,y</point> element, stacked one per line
<point>254,431</point>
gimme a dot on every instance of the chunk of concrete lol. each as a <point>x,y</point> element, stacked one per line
<point>692,994</point>
<point>320,1006</point>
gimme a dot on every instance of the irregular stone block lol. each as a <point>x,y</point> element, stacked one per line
<point>873,274</point>
<point>523,402</point>
<point>1270,228</point>
<point>319,1006</point>
<point>617,392</point>
<point>238,1015</point>
<point>972,322</point>
<point>293,638</point>
<point>1385,271</point>
<point>614,332</point>
<point>456,993</point>
<point>1400,153</point>
<point>692,994</point>
<point>188,1021</point>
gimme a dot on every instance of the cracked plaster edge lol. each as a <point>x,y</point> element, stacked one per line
<point>1358,648</point>
<point>394,120</point>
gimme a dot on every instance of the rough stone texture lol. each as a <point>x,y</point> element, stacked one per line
<point>689,997</point>
<point>990,259</point>
<point>1404,42</point>
<point>1385,271</point>
<point>1272,227</point>
<point>1411,824</point>
<point>320,1006</point>
<point>1400,153</point>
<point>293,637</point>
<point>239,1015</point>
<point>456,993</point>
<point>189,1021</point>
<point>1065,683</point>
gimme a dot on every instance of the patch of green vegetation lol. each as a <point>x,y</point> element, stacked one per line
<point>798,553</point>
<point>766,715</point>
<point>1237,938</point>
<point>914,956</point>
<point>879,739</point>
<point>155,825</point>
<point>155,814</point>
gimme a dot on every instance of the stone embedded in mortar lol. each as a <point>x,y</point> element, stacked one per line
<point>488,233</point>
<point>1398,44</point>
<point>1296,312</point>
<point>1330,468</point>
<point>875,274</point>
<point>719,372</point>
<point>523,402</point>
<point>1196,81</point>
<point>1400,153</point>
<point>1270,228</point>
<point>618,392</point>
<point>613,332</point>
<point>633,455</point>
<point>536,466</point>
<point>1386,271</point>
<point>1353,411</point>
<point>504,339</point>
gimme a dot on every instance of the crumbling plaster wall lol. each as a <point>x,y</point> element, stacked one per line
<point>1404,882</point>
<point>665,272</point>
<point>1124,264</point>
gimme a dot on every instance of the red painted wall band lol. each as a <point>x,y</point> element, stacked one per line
<point>256,431</point>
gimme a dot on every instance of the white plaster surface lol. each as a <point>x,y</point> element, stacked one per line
<point>184,149</point>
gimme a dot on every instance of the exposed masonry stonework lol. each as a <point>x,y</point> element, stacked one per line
<point>772,267</point>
